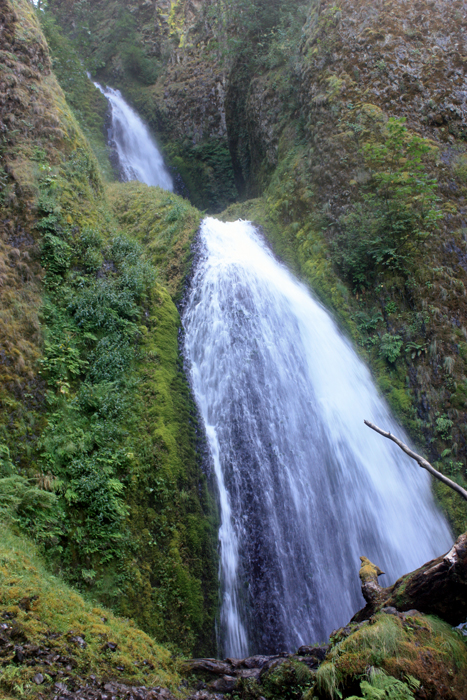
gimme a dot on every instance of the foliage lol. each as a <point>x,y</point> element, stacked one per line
<point>393,650</point>
<point>206,170</point>
<point>116,495</point>
<point>390,347</point>
<point>289,681</point>
<point>397,212</point>
<point>443,426</point>
<point>88,104</point>
<point>163,224</point>
<point>24,504</point>
<point>96,412</point>
<point>381,686</point>
<point>259,28</point>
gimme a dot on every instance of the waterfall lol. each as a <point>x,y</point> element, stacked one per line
<point>305,488</point>
<point>138,155</point>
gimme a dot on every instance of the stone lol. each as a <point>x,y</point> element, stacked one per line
<point>317,652</point>
<point>389,610</point>
<point>38,679</point>
<point>218,668</point>
<point>223,685</point>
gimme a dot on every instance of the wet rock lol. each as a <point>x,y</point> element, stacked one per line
<point>255,661</point>
<point>61,687</point>
<point>218,668</point>
<point>38,679</point>
<point>248,673</point>
<point>205,695</point>
<point>26,603</point>
<point>79,641</point>
<point>223,685</point>
<point>273,663</point>
<point>389,610</point>
<point>317,652</point>
<point>19,655</point>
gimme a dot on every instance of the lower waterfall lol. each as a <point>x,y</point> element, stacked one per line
<point>304,487</point>
<point>138,155</point>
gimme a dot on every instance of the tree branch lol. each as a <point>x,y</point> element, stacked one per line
<point>421,461</point>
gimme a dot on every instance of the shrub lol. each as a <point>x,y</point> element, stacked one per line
<point>289,681</point>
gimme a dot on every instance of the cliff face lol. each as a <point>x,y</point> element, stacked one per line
<point>329,124</point>
<point>160,54</point>
<point>99,454</point>
<point>98,449</point>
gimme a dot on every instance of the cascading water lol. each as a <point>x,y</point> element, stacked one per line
<point>305,488</point>
<point>138,155</point>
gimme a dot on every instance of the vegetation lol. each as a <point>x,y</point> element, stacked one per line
<point>99,448</point>
<point>87,103</point>
<point>99,458</point>
<point>49,617</point>
<point>385,657</point>
<point>386,230</point>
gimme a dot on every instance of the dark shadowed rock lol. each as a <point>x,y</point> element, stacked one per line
<point>223,685</point>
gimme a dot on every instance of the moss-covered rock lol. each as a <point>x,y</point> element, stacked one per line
<point>423,653</point>
<point>49,629</point>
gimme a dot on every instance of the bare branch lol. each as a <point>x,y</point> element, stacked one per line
<point>421,461</point>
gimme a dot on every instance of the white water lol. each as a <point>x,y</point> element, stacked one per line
<point>305,488</point>
<point>138,154</point>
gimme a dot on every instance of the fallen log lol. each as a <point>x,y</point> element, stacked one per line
<point>439,587</point>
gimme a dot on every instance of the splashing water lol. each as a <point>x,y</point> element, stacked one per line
<point>138,155</point>
<point>305,488</point>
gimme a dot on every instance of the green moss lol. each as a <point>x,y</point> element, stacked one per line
<point>89,106</point>
<point>397,346</point>
<point>289,681</point>
<point>206,170</point>
<point>163,223</point>
<point>401,402</point>
<point>49,614</point>
<point>397,646</point>
<point>133,522</point>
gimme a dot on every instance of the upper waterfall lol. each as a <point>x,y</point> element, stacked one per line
<point>305,488</point>
<point>138,155</point>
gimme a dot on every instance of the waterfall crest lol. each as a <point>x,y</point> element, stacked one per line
<point>138,155</point>
<point>305,488</point>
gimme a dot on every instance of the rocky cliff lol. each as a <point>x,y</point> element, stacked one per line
<point>99,448</point>
<point>347,126</point>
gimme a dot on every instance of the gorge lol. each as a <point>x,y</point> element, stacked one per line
<point>183,396</point>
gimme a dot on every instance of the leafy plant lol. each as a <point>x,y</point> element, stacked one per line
<point>23,503</point>
<point>383,687</point>
<point>390,347</point>
<point>443,426</point>
<point>289,681</point>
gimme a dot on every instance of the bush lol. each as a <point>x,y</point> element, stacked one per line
<point>288,682</point>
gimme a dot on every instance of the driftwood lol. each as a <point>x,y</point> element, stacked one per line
<point>437,588</point>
